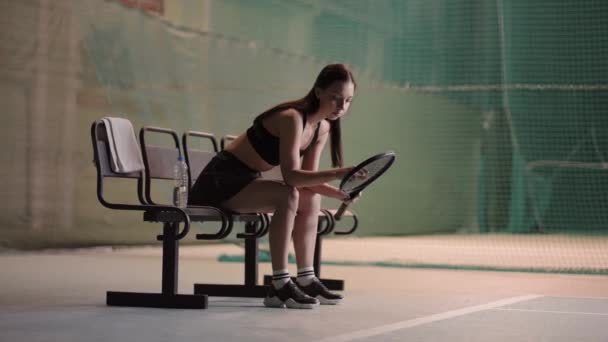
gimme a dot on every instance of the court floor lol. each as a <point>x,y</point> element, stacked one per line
<point>60,296</point>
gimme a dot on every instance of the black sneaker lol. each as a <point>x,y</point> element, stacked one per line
<point>289,295</point>
<point>318,290</point>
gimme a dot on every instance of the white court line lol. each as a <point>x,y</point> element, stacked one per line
<point>577,297</point>
<point>383,329</point>
<point>556,312</point>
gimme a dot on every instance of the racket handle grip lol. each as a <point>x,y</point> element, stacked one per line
<point>340,211</point>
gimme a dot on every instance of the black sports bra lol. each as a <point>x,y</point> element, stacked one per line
<point>267,145</point>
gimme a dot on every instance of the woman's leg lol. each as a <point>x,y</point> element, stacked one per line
<point>266,195</point>
<point>269,196</point>
<point>304,241</point>
<point>305,227</point>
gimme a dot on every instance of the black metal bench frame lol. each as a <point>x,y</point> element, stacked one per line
<point>168,297</point>
<point>158,164</point>
<point>159,161</point>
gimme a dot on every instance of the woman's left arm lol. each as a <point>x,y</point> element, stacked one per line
<point>328,191</point>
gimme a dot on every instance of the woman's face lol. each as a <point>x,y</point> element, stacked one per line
<point>335,99</point>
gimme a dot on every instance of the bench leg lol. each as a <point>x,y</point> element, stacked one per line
<point>156,300</point>
<point>332,284</point>
<point>250,288</point>
<point>168,298</point>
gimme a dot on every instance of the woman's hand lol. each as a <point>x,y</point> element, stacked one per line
<point>347,200</point>
<point>361,174</point>
<point>342,172</point>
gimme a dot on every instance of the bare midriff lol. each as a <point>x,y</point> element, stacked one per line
<point>243,150</point>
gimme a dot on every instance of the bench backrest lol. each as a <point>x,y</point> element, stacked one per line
<point>102,157</point>
<point>198,158</point>
<point>159,160</point>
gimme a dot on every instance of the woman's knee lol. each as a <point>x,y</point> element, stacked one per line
<point>290,196</point>
<point>309,201</point>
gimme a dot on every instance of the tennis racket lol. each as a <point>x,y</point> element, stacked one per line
<point>353,183</point>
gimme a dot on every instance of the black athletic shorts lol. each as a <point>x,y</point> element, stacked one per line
<point>222,178</point>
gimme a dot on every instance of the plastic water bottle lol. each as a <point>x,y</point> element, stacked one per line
<point>180,189</point>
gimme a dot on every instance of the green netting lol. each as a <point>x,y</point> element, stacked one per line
<point>497,109</point>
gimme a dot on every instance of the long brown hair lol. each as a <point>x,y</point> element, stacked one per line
<point>310,104</point>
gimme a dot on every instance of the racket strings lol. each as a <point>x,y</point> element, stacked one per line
<point>373,168</point>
